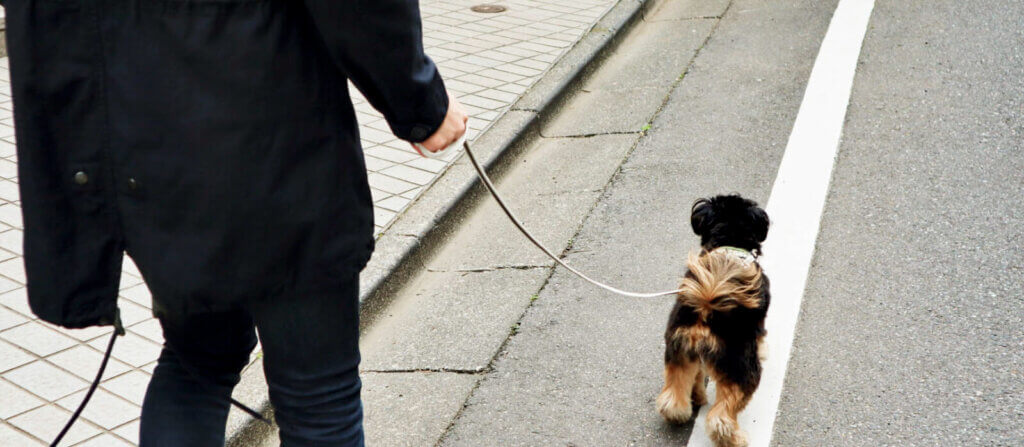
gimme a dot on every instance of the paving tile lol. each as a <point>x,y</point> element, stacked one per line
<point>128,266</point>
<point>14,269</point>
<point>14,297</point>
<point>9,436</point>
<point>394,203</point>
<point>8,170</point>
<point>484,103</point>
<point>427,164</point>
<point>394,155</point>
<point>104,409</point>
<point>8,189</point>
<point>16,401</point>
<point>85,334</point>
<point>129,431</point>
<point>45,380</point>
<point>12,357</point>
<point>84,361</point>
<point>10,318</point>
<point>138,294</point>
<point>149,329</point>
<point>378,195</point>
<point>390,184</point>
<point>38,339</point>
<point>104,440</point>
<point>382,215</point>
<point>132,349</point>
<point>10,214</point>
<point>372,163</point>
<point>131,385</point>
<point>410,174</point>
<point>11,240</point>
<point>46,422</point>
<point>412,194</point>
<point>132,313</point>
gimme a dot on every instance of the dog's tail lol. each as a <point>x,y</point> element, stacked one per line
<point>718,282</point>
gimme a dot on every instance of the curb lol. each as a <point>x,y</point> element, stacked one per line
<point>424,226</point>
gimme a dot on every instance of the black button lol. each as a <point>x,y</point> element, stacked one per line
<point>132,184</point>
<point>81,178</point>
<point>418,133</point>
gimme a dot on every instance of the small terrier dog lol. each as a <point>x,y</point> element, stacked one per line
<point>717,325</point>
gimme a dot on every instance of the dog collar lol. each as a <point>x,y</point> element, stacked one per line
<point>743,255</point>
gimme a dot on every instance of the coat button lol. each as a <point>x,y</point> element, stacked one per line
<point>419,133</point>
<point>132,184</point>
<point>81,178</point>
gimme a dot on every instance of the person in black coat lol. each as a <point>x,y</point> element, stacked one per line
<point>215,142</point>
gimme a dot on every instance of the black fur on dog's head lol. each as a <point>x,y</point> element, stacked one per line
<point>729,220</point>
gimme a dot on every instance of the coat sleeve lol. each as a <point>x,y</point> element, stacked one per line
<point>379,45</point>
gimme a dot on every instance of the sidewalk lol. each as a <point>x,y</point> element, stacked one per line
<point>488,61</point>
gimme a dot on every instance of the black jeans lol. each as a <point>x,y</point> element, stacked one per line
<point>310,357</point>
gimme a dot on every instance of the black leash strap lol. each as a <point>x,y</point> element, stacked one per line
<point>118,330</point>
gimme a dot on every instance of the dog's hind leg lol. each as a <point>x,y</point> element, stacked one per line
<point>699,395</point>
<point>674,401</point>
<point>722,427</point>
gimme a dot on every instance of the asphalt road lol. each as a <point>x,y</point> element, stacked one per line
<point>911,331</point>
<point>912,326</point>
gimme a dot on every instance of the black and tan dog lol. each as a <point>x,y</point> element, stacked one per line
<point>717,324</point>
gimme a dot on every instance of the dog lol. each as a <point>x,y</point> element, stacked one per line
<point>716,327</point>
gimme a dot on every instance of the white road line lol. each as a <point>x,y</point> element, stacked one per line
<point>795,207</point>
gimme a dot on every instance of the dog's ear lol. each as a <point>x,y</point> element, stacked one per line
<point>759,222</point>
<point>700,216</point>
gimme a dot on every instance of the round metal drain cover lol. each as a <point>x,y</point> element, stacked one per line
<point>488,9</point>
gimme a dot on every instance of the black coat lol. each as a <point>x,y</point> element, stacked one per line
<point>213,140</point>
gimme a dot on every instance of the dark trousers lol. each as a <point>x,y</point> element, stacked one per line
<point>310,357</point>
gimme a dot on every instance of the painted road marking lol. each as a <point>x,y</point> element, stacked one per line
<point>795,207</point>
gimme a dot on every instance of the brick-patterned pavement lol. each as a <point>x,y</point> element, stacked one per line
<point>488,61</point>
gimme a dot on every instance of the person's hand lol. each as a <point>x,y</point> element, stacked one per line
<point>452,128</point>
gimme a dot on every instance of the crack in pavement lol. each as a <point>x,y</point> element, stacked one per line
<point>425,370</point>
<point>490,269</point>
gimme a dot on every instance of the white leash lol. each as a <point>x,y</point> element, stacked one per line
<point>508,212</point>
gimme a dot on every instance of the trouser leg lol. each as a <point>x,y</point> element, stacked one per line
<point>187,401</point>
<point>311,359</point>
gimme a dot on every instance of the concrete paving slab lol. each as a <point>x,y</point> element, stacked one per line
<point>687,9</point>
<point>412,409</point>
<point>450,321</point>
<point>655,54</point>
<point>737,103</point>
<point>583,369</point>
<point>606,111</point>
<point>565,165</point>
<point>491,241</point>
<point>536,179</point>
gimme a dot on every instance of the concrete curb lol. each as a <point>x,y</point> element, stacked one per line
<point>414,236</point>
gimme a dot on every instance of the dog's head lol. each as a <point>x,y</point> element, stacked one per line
<point>729,220</point>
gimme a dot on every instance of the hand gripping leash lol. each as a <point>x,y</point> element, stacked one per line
<point>515,221</point>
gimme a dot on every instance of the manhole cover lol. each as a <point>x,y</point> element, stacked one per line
<point>488,9</point>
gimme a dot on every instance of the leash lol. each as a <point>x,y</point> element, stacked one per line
<point>515,221</point>
<point>119,330</point>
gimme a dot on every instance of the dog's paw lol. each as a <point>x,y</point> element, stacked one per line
<point>739,439</point>
<point>676,411</point>
<point>725,434</point>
